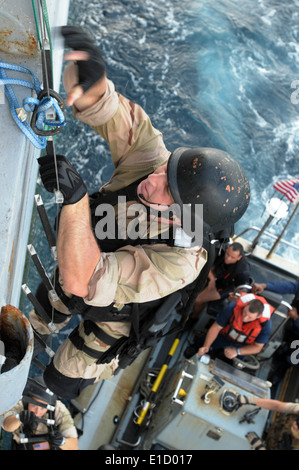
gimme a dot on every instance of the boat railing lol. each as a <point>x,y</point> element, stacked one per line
<point>274,237</point>
<point>269,252</point>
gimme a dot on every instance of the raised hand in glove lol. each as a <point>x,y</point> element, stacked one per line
<point>56,439</point>
<point>92,68</point>
<point>28,419</point>
<point>70,182</point>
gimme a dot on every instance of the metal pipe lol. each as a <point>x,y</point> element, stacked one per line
<point>13,382</point>
<point>39,308</point>
<point>42,272</point>
<point>46,224</point>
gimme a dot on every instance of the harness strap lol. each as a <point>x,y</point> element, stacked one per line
<point>91,327</point>
<point>74,304</point>
<point>79,343</point>
<point>130,193</point>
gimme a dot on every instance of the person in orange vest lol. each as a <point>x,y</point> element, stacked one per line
<point>240,329</point>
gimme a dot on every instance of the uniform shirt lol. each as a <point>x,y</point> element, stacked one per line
<point>230,276</point>
<point>132,274</point>
<point>280,434</point>
<point>62,417</point>
<point>140,273</point>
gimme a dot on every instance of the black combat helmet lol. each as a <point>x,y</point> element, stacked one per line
<point>36,388</point>
<point>210,177</point>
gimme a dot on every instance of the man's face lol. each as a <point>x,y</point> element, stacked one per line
<point>231,256</point>
<point>37,410</point>
<point>154,190</point>
<point>248,316</point>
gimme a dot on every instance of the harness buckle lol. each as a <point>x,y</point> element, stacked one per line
<point>33,123</point>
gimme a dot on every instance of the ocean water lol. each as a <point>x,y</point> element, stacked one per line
<point>209,73</point>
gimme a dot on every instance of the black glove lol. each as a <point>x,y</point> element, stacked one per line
<point>231,401</point>
<point>70,182</point>
<point>246,400</point>
<point>91,70</point>
<point>28,419</point>
<point>255,441</point>
<point>55,438</point>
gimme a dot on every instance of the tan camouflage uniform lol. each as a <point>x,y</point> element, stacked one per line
<point>62,417</point>
<point>280,431</point>
<point>131,274</point>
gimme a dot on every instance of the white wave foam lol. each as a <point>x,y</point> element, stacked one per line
<point>267,18</point>
<point>288,133</point>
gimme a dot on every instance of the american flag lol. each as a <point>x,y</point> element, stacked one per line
<point>290,188</point>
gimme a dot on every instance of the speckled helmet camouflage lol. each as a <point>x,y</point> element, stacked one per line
<point>210,177</point>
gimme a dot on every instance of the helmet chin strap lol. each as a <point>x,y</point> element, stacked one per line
<point>151,210</point>
<point>142,198</point>
<point>180,237</point>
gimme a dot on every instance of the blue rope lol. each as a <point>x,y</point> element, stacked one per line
<point>29,104</point>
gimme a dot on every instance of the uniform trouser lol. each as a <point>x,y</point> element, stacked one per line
<point>221,342</point>
<point>72,369</point>
<point>68,377</point>
<point>63,386</point>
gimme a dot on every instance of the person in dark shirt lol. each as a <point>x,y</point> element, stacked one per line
<point>284,287</point>
<point>289,350</point>
<point>231,269</point>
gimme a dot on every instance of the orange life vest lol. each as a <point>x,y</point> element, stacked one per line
<point>246,333</point>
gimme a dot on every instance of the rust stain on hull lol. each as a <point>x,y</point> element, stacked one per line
<point>12,43</point>
<point>13,332</point>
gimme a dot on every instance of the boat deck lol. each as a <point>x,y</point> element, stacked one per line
<point>118,422</point>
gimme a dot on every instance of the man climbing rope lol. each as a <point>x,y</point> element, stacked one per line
<point>117,283</point>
